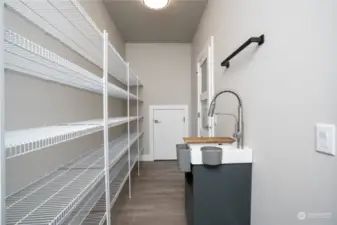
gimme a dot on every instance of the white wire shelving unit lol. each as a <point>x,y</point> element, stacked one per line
<point>84,190</point>
<point>67,21</point>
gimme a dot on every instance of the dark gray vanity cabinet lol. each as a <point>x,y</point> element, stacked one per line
<point>189,197</point>
<point>218,195</point>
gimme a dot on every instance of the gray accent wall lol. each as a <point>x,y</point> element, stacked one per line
<point>32,102</point>
<point>164,69</point>
<point>287,86</point>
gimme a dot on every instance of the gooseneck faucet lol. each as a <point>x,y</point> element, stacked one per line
<point>239,127</point>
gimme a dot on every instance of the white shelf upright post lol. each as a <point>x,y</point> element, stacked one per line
<point>106,127</point>
<point>2,123</point>
<point>138,123</point>
<point>129,147</point>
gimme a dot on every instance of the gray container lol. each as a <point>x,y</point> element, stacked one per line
<point>211,155</point>
<point>184,157</point>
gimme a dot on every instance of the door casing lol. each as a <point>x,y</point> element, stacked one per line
<point>206,54</point>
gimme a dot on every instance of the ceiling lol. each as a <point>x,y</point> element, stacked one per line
<point>175,23</point>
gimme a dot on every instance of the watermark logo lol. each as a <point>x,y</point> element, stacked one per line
<point>316,215</point>
<point>301,216</point>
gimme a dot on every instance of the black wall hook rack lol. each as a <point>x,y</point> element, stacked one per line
<point>259,40</point>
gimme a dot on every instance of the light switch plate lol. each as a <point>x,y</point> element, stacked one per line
<point>325,139</point>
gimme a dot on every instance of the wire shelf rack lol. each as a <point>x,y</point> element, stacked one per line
<point>25,56</point>
<point>97,215</point>
<point>51,199</point>
<point>117,67</point>
<point>88,206</point>
<point>67,21</point>
<point>21,142</point>
<point>78,192</point>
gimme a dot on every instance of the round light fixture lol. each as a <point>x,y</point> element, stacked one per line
<point>156,4</point>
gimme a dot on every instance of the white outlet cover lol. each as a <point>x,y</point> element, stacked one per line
<point>325,139</point>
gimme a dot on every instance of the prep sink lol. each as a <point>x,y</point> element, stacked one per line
<point>230,153</point>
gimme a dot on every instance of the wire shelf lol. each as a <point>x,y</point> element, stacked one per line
<point>97,214</point>
<point>67,21</point>
<point>114,121</point>
<point>80,215</point>
<point>133,79</point>
<point>51,199</point>
<point>20,142</point>
<point>25,56</point>
<point>118,68</point>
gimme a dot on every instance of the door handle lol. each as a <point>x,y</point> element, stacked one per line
<point>156,121</point>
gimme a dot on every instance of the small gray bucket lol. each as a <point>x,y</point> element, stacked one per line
<point>211,155</point>
<point>184,157</point>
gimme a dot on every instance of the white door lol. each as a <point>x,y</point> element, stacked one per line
<point>205,75</point>
<point>168,130</point>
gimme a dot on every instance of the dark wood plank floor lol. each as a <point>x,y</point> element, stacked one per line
<point>157,198</point>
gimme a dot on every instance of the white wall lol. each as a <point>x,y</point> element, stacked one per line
<point>165,70</point>
<point>32,102</point>
<point>287,86</point>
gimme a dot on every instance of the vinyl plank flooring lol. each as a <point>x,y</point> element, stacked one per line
<point>157,197</point>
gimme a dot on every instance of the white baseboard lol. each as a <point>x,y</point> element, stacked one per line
<point>147,157</point>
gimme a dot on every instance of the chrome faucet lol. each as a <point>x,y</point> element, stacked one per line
<point>239,134</point>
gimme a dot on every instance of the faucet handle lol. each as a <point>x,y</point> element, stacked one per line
<point>235,135</point>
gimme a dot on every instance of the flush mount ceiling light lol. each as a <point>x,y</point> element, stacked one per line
<point>156,4</point>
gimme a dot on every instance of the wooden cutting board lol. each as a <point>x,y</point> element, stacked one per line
<point>200,140</point>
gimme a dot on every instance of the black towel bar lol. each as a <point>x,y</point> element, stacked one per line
<point>259,40</point>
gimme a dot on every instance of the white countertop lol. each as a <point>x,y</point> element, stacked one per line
<point>230,153</point>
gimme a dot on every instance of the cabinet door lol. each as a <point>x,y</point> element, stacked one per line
<point>219,197</point>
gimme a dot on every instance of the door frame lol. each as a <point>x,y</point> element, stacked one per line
<point>151,122</point>
<point>206,53</point>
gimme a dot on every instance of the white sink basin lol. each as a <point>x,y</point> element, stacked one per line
<point>230,153</point>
